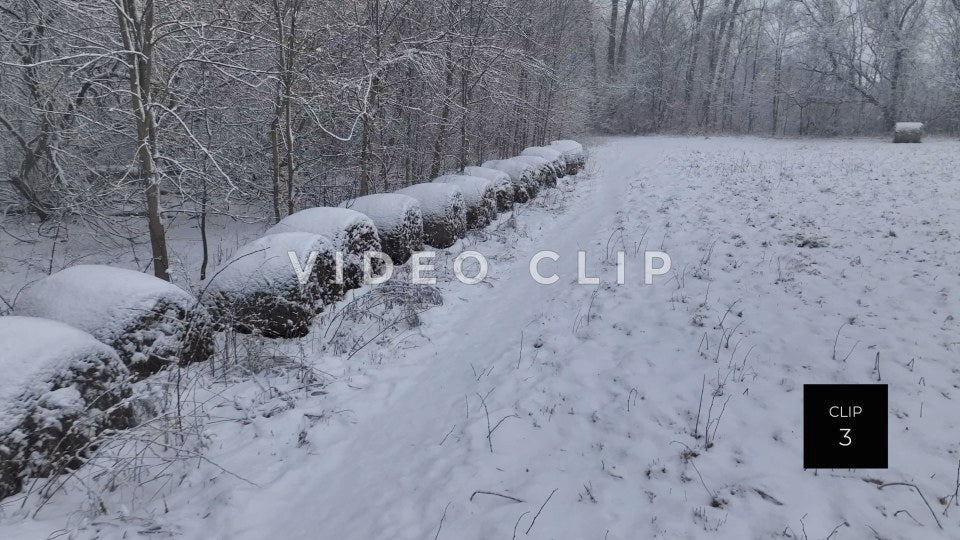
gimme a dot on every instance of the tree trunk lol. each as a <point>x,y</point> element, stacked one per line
<point>753,76</point>
<point>19,180</point>
<point>622,47</point>
<point>612,38</point>
<point>288,145</point>
<point>436,163</point>
<point>892,113</point>
<point>720,77</point>
<point>275,171</point>
<point>694,57</point>
<point>464,116</point>
<point>777,74</point>
<point>137,34</point>
<point>716,37</point>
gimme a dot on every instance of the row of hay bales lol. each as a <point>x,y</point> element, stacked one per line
<point>79,338</point>
<point>256,292</point>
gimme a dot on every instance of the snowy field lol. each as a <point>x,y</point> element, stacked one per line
<point>569,411</point>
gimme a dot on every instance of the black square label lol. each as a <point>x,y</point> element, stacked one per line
<point>845,426</point>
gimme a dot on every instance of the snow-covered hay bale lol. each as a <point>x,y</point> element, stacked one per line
<point>557,162</point>
<point>502,186</point>
<point>478,195</point>
<point>444,212</point>
<point>352,233</point>
<point>150,322</point>
<point>258,290</point>
<point>573,152</point>
<point>60,388</point>
<point>522,174</point>
<point>398,219</point>
<point>907,132</point>
<point>546,174</point>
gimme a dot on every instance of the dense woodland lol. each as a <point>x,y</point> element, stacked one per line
<point>124,115</point>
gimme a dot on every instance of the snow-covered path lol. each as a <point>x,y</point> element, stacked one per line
<point>793,262</point>
<point>400,476</point>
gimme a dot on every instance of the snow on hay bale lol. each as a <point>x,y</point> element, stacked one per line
<point>444,212</point>
<point>478,195</point>
<point>503,188</point>
<point>546,174</point>
<point>554,157</point>
<point>907,132</point>
<point>573,152</point>
<point>258,291</point>
<point>523,175</point>
<point>60,389</point>
<point>150,322</point>
<point>352,233</point>
<point>398,219</point>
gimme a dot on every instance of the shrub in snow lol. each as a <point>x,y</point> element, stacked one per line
<point>444,212</point>
<point>150,322</point>
<point>60,388</point>
<point>478,195</point>
<point>398,219</point>
<point>258,290</point>
<point>502,186</point>
<point>546,174</point>
<point>573,152</point>
<point>522,174</point>
<point>907,132</point>
<point>557,162</point>
<point>352,233</point>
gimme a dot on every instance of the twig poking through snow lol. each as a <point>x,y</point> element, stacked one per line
<point>696,427</point>
<point>520,358</point>
<point>490,430</point>
<point>835,340</point>
<point>540,510</point>
<point>851,350</point>
<point>517,524</point>
<point>716,425</point>
<point>956,492</point>
<point>727,312</point>
<point>495,494</point>
<point>710,492</point>
<point>835,529</point>
<point>447,435</point>
<point>914,486</point>
<point>441,521</point>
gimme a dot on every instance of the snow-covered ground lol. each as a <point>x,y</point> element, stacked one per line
<point>518,410</point>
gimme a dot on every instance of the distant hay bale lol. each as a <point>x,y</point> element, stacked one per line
<point>399,222</point>
<point>573,152</point>
<point>352,233</point>
<point>444,212</point>
<point>557,162</point>
<point>523,175</point>
<point>479,196</point>
<point>60,389</point>
<point>257,291</point>
<point>908,132</point>
<point>150,322</point>
<point>502,186</point>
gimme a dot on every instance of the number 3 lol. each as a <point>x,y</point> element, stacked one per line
<point>846,435</point>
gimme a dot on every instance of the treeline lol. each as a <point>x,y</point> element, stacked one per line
<point>127,112</point>
<point>781,67</point>
<point>156,106</point>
